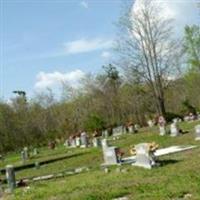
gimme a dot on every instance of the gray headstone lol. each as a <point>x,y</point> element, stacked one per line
<point>10,176</point>
<point>84,140</point>
<point>110,155</point>
<point>96,142</point>
<point>162,130</point>
<point>150,123</point>
<point>26,153</point>
<point>174,130</point>
<point>104,143</point>
<point>144,158</point>
<point>197,132</point>
<point>105,133</point>
<point>35,151</point>
<point>78,141</point>
<point>118,130</point>
<point>23,157</point>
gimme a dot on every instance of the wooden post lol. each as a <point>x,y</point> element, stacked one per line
<point>10,176</point>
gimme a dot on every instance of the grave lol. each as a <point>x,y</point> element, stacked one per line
<point>150,123</point>
<point>35,151</point>
<point>197,132</point>
<point>118,130</point>
<point>96,141</point>
<point>10,176</point>
<point>144,157</point>
<point>105,133</point>
<point>84,140</point>
<point>78,141</point>
<point>26,153</point>
<point>162,123</point>
<point>110,155</point>
<point>174,130</point>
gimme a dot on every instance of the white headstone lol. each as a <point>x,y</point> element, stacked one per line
<point>162,130</point>
<point>150,123</point>
<point>78,141</point>
<point>174,130</point>
<point>10,176</point>
<point>110,155</point>
<point>144,158</point>
<point>84,141</point>
<point>96,142</point>
<point>197,131</point>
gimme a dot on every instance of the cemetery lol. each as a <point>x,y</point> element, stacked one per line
<point>92,169</point>
<point>100,100</point>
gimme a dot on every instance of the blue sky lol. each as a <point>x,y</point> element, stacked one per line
<point>45,42</point>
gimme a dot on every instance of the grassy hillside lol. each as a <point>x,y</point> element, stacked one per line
<point>177,178</point>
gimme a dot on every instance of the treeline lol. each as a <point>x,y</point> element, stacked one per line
<point>153,74</point>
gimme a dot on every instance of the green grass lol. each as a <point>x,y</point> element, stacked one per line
<point>178,174</point>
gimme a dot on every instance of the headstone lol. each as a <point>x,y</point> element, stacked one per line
<point>26,153</point>
<point>35,151</point>
<point>136,128</point>
<point>150,123</point>
<point>118,130</point>
<point>78,141</point>
<point>144,158</point>
<point>162,130</point>
<point>10,176</point>
<point>105,133</point>
<point>197,131</point>
<point>104,143</point>
<point>174,130</point>
<point>130,129</point>
<point>110,155</point>
<point>162,123</point>
<point>84,140</point>
<point>96,142</point>
<point>23,157</point>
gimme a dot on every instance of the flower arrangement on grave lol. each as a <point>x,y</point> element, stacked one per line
<point>119,154</point>
<point>152,148</point>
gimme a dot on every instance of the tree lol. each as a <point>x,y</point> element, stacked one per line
<point>147,51</point>
<point>192,46</point>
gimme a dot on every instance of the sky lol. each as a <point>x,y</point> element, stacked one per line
<point>46,42</point>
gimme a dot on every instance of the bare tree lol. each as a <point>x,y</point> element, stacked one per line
<point>147,50</point>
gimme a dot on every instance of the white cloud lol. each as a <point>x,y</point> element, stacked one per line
<point>48,80</point>
<point>106,54</point>
<point>84,4</point>
<point>85,45</point>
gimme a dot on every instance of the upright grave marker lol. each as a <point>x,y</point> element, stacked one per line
<point>197,132</point>
<point>174,130</point>
<point>144,157</point>
<point>10,176</point>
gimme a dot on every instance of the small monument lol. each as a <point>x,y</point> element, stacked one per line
<point>78,141</point>
<point>174,130</point>
<point>10,176</point>
<point>197,132</point>
<point>110,155</point>
<point>35,152</point>
<point>26,153</point>
<point>162,123</point>
<point>144,156</point>
<point>84,140</point>
<point>150,123</point>
<point>96,142</point>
